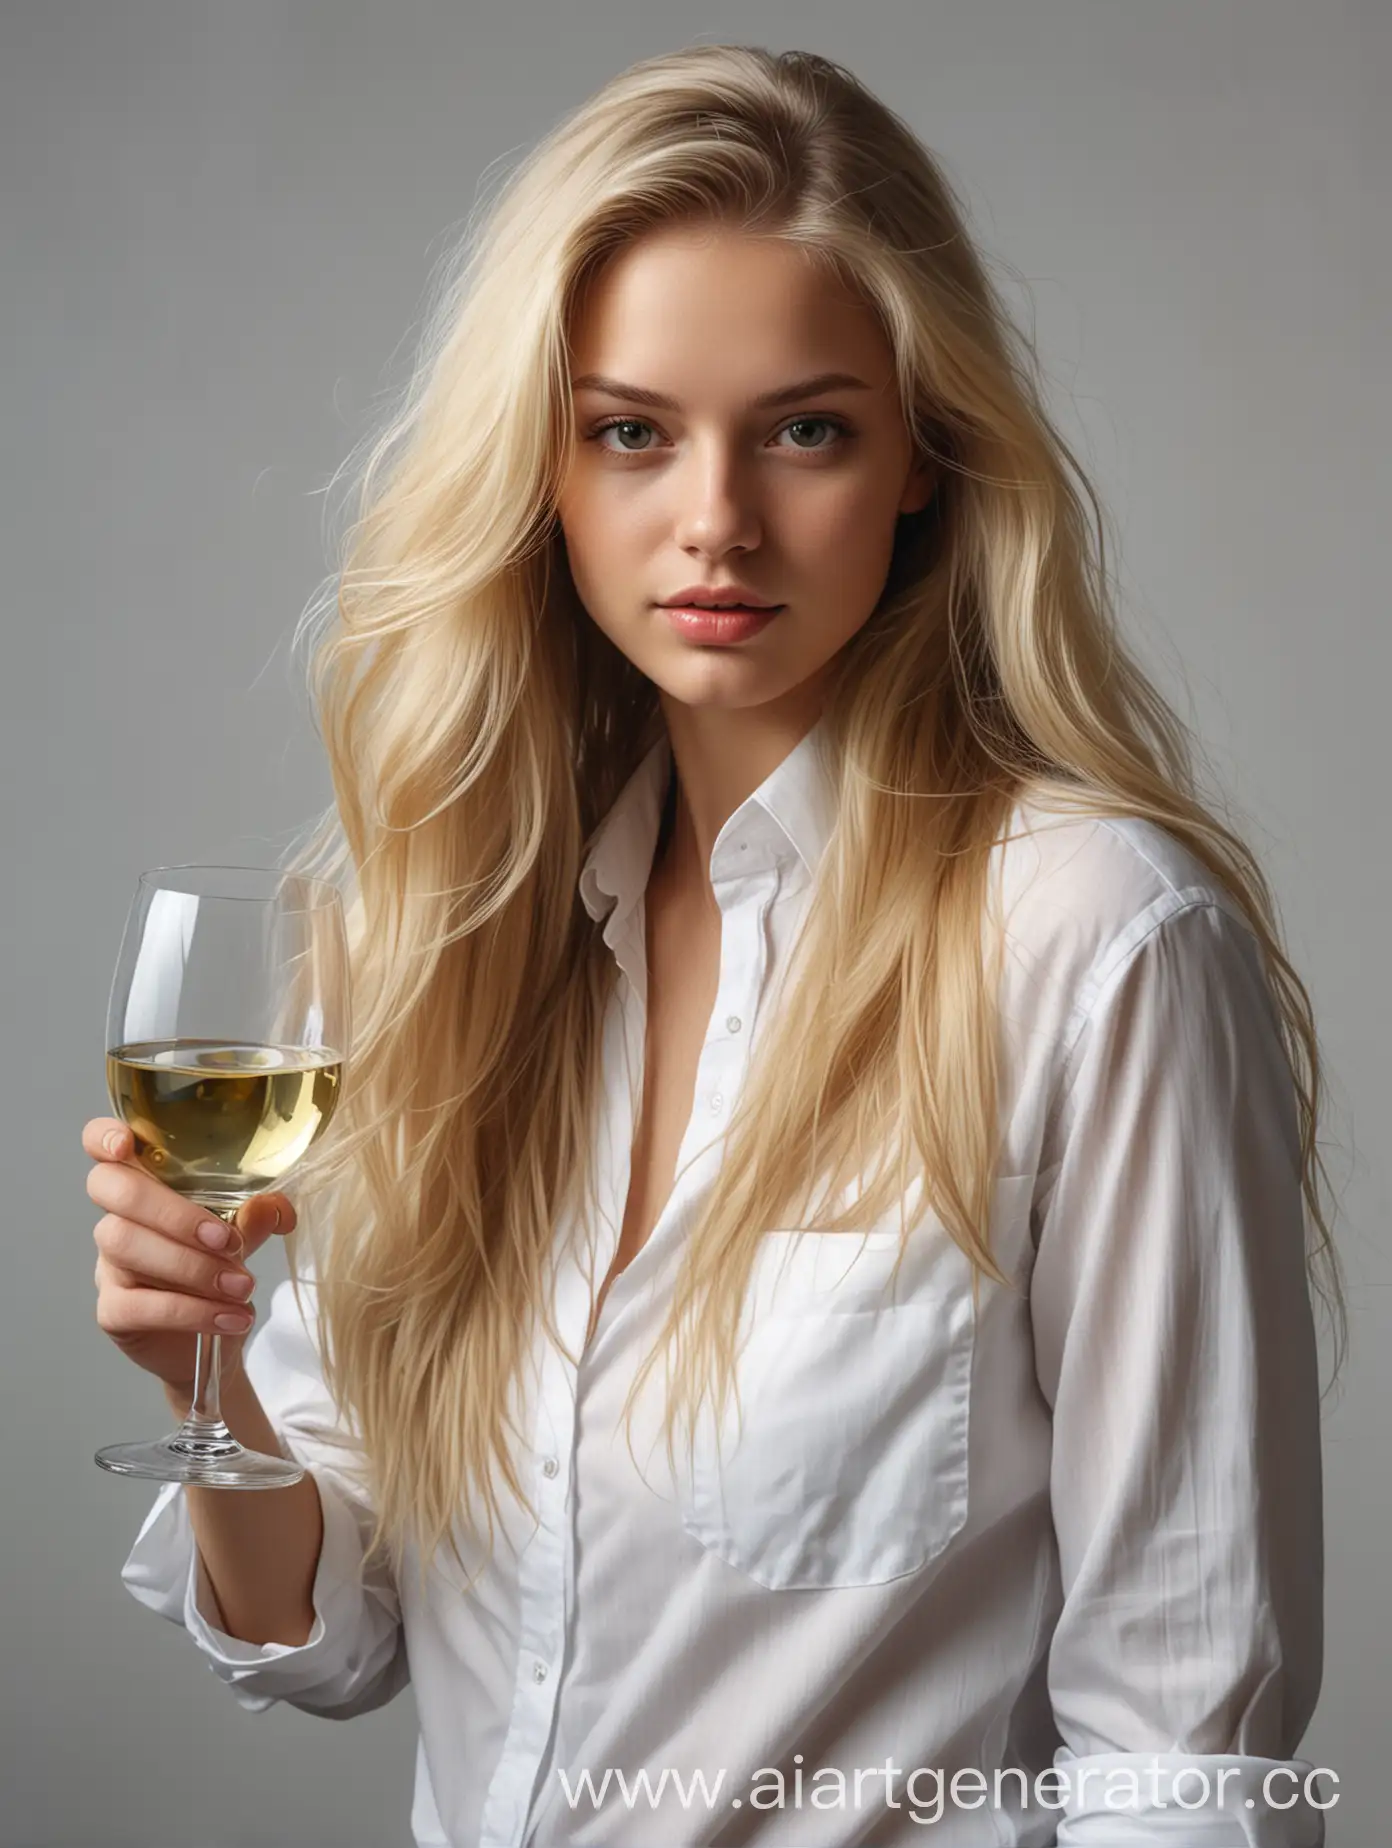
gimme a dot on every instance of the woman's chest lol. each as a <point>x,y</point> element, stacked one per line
<point>683,960</point>
<point>683,970</point>
<point>864,1367</point>
<point>875,1415</point>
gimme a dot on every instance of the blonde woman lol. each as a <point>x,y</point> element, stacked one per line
<point>801,1328</point>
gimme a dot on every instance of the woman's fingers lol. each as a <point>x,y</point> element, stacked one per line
<point>138,1256</point>
<point>107,1139</point>
<point>140,1312</point>
<point>168,1270</point>
<point>126,1191</point>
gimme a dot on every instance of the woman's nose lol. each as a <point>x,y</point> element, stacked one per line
<point>716,504</point>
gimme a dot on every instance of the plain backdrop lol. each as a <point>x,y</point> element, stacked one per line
<point>219,224</point>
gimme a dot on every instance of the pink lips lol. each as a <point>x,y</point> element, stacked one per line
<point>701,625</point>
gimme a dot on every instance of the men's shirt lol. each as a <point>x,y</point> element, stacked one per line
<point>1043,1570</point>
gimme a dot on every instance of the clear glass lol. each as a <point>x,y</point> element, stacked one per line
<point>226,1041</point>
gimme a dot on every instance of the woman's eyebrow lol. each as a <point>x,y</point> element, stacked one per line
<point>785,394</point>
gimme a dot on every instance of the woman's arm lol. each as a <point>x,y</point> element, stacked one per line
<point>260,1548</point>
<point>1176,1346</point>
<point>341,1653</point>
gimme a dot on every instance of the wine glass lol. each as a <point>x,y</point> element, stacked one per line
<point>226,1037</point>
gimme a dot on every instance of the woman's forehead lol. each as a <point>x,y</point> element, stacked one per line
<point>742,315</point>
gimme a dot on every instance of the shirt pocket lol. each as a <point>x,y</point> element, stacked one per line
<point>850,1464</point>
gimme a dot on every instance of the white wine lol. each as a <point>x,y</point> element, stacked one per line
<point>221,1119</point>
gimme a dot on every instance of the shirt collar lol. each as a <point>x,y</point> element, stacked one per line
<point>785,822</point>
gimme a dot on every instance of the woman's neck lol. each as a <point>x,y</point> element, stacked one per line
<point>669,817</point>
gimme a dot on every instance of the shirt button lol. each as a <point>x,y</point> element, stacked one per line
<point>716,1102</point>
<point>549,1467</point>
<point>538,1671</point>
<point>733,1023</point>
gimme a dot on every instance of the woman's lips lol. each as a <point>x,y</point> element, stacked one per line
<point>700,625</point>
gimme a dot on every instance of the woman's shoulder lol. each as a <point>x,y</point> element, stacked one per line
<point>1077,888</point>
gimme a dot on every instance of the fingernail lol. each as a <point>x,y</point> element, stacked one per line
<point>214,1234</point>
<point>236,1283</point>
<point>276,1226</point>
<point>232,1324</point>
<point>112,1140</point>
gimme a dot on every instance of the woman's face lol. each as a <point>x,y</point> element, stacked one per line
<point>796,502</point>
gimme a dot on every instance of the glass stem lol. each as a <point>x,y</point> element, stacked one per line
<point>203,1432</point>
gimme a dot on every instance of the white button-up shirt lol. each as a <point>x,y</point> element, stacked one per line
<point>1031,1573</point>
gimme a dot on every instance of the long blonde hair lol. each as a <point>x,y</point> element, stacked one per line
<point>478,726</point>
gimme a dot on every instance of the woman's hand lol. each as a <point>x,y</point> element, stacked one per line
<point>159,1284</point>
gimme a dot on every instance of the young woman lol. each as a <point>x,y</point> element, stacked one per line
<point>801,1327</point>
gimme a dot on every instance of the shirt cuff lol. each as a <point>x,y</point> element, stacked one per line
<point>1207,1800</point>
<point>165,1572</point>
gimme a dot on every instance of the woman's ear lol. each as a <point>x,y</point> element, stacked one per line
<point>919,488</point>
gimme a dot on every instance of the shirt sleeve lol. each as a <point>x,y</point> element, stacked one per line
<point>354,1658</point>
<point>1176,1347</point>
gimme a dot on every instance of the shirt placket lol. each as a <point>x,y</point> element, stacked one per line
<point>746,895</point>
<point>542,1569</point>
<point>747,899</point>
<point>546,1560</point>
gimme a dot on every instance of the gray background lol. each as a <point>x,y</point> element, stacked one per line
<point>218,229</point>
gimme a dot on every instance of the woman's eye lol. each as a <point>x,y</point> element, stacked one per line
<point>836,427</point>
<point>619,423</point>
<point>632,426</point>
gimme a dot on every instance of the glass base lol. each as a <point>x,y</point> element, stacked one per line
<point>213,1459</point>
